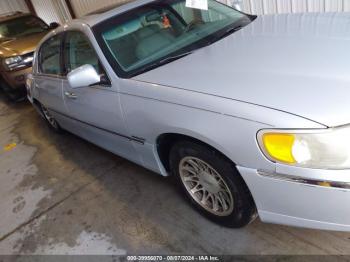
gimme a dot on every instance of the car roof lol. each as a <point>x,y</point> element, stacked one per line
<point>102,14</point>
<point>11,15</point>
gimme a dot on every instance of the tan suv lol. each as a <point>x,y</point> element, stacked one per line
<point>19,35</point>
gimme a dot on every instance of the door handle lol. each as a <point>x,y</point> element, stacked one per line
<point>70,95</point>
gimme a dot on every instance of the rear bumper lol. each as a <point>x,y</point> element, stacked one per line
<point>300,202</point>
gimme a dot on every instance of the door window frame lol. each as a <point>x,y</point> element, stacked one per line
<point>64,60</point>
<point>39,68</point>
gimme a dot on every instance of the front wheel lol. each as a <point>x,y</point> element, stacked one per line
<point>212,184</point>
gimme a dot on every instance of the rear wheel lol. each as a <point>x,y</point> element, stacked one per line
<point>212,184</point>
<point>50,120</point>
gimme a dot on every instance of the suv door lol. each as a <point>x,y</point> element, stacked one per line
<point>48,79</point>
<point>94,112</point>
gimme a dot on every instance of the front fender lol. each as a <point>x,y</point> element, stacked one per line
<point>227,125</point>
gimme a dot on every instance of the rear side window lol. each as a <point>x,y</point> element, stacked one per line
<point>50,56</point>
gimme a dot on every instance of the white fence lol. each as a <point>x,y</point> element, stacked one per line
<point>12,5</point>
<point>290,6</point>
<point>51,10</point>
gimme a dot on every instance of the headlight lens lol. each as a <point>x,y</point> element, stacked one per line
<point>13,60</point>
<point>18,61</point>
<point>321,149</point>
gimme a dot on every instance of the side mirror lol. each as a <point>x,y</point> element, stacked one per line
<point>54,25</point>
<point>83,76</point>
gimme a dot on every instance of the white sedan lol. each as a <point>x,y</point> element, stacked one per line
<point>250,114</point>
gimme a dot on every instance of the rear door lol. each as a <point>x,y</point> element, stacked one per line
<point>94,112</point>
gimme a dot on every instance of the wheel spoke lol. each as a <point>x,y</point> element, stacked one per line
<point>190,179</point>
<point>194,165</point>
<point>225,196</point>
<point>203,166</point>
<point>222,185</point>
<point>215,203</point>
<point>189,170</point>
<point>205,198</point>
<point>197,188</point>
<point>222,201</point>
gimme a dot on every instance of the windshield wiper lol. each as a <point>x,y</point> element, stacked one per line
<point>165,60</point>
<point>175,57</point>
<point>229,31</point>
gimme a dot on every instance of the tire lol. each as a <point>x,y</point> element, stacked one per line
<point>220,192</point>
<point>50,120</point>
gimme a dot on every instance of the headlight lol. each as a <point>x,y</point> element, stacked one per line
<point>321,149</point>
<point>16,62</point>
<point>13,60</point>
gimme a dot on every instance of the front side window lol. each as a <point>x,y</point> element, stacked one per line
<point>21,26</point>
<point>78,52</point>
<point>153,34</point>
<point>49,56</point>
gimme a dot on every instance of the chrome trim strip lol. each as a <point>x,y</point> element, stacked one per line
<point>301,180</point>
<point>50,75</point>
<point>133,138</point>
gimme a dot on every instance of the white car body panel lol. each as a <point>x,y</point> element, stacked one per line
<point>286,71</point>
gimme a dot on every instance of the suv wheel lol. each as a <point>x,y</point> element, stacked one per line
<point>212,184</point>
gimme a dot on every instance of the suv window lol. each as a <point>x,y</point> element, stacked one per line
<point>78,52</point>
<point>49,57</point>
<point>21,26</point>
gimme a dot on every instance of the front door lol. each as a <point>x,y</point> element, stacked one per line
<point>48,79</point>
<point>94,112</point>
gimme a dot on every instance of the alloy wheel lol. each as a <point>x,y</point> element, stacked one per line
<point>206,186</point>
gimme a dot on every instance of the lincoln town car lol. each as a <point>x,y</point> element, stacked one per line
<point>249,114</point>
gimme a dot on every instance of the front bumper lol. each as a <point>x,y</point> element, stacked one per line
<point>295,196</point>
<point>15,80</point>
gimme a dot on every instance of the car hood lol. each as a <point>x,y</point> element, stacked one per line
<point>20,45</point>
<point>297,63</point>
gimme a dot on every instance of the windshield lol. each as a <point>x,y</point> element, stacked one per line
<point>162,31</point>
<point>21,26</point>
